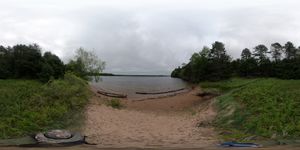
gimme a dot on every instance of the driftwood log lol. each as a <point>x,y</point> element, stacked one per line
<point>164,92</point>
<point>116,95</point>
<point>202,94</point>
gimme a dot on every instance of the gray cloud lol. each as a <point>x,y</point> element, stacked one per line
<point>147,37</point>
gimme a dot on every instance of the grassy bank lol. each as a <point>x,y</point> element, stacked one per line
<point>28,106</point>
<point>269,108</point>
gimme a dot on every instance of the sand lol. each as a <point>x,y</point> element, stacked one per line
<point>161,122</point>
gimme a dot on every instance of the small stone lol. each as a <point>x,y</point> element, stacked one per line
<point>41,138</point>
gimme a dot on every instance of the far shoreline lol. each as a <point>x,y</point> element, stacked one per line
<point>129,75</point>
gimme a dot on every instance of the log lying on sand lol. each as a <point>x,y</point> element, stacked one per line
<point>203,94</point>
<point>116,95</point>
<point>164,92</point>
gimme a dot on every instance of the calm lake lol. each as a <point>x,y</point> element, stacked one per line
<point>131,84</point>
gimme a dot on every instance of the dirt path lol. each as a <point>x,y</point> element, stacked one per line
<point>163,122</point>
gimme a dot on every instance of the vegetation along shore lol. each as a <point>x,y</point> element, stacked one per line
<point>40,92</point>
<point>259,91</point>
<point>258,97</point>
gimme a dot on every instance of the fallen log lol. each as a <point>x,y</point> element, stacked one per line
<point>202,94</point>
<point>116,95</point>
<point>211,92</point>
<point>164,92</point>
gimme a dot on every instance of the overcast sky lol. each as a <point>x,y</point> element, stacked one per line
<point>147,37</point>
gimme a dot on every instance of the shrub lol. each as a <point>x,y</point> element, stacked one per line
<point>266,107</point>
<point>114,103</point>
<point>29,106</point>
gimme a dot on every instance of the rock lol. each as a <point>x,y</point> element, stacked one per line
<point>281,142</point>
<point>274,135</point>
<point>250,138</point>
<point>40,137</point>
<point>58,134</point>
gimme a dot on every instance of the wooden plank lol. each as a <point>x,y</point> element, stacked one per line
<point>164,92</point>
<point>112,94</point>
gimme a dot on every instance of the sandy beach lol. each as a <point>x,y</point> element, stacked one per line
<point>162,122</point>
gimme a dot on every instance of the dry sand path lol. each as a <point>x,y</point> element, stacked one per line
<point>162,122</point>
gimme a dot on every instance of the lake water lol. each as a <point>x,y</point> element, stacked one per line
<point>129,85</point>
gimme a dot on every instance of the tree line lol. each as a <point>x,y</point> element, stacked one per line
<point>27,62</point>
<point>213,64</point>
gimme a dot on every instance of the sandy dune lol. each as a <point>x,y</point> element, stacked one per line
<point>163,122</point>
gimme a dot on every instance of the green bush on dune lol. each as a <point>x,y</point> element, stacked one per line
<point>114,103</point>
<point>28,106</point>
<point>264,107</point>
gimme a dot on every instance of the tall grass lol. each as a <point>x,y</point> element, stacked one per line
<point>227,85</point>
<point>264,107</point>
<point>29,106</point>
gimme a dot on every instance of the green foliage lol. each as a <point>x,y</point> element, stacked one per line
<point>27,62</point>
<point>226,85</point>
<point>176,72</point>
<point>114,103</point>
<point>260,52</point>
<point>91,62</point>
<point>248,67</point>
<point>265,107</point>
<point>46,72</point>
<point>77,68</point>
<point>5,63</point>
<point>209,64</point>
<point>215,65</point>
<point>86,63</point>
<point>57,66</point>
<point>246,54</point>
<point>276,51</point>
<point>290,50</point>
<point>28,106</point>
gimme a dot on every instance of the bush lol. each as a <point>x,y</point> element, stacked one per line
<point>27,62</point>
<point>29,106</point>
<point>266,107</point>
<point>114,103</point>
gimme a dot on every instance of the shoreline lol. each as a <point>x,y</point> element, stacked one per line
<point>159,96</point>
<point>153,123</point>
<point>184,109</point>
<point>141,97</point>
